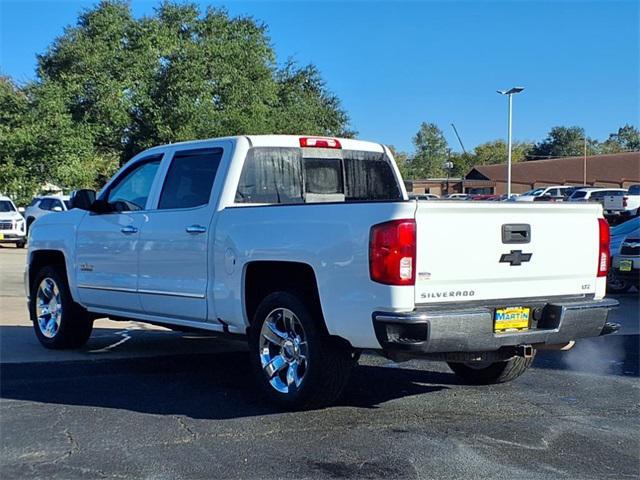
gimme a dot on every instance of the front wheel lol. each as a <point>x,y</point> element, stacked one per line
<point>58,321</point>
<point>295,363</point>
<point>486,373</point>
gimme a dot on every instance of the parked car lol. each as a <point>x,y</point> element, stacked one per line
<point>457,196</point>
<point>311,250</point>
<point>595,194</point>
<point>40,206</point>
<point>553,192</point>
<point>12,224</point>
<point>424,196</point>
<point>625,251</point>
<point>633,200</point>
<point>485,196</point>
<point>625,204</point>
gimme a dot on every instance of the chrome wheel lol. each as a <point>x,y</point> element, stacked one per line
<point>48,307</point>
<point>283,350</point>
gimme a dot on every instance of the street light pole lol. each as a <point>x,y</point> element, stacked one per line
<point>510,93</point>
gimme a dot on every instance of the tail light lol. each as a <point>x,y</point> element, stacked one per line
<point>315,142</point>
<point>624,201</point>
<point>603,251</point>
<point>392,252</point>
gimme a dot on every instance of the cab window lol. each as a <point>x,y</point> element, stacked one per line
<point>190,178</point>
<point>130,192</point>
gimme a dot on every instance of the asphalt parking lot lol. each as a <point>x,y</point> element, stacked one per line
<point>144,402</point>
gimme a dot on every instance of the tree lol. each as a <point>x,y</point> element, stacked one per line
<point>626,139</point>
<point>493,152</point>
<point>563,142</point>
<point>113,85</point>
<point>182,74</point>
<point>402,160</point>
<point>431,152</point>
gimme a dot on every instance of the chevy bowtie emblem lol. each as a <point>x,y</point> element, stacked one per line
<point>515,258</point>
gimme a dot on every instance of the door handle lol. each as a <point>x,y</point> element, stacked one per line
<point>129,230</point>
<point>195,229</point>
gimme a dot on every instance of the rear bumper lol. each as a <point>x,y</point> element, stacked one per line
<point>449,330</point>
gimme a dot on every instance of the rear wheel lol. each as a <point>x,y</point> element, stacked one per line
<point>58,321</point>
<point>617,285</point>
<point>485,373</point>
<point>295,363</point>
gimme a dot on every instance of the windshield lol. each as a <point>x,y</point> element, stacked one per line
<point>533,193</point>
<point>579,194</point>
<point>6,206</point>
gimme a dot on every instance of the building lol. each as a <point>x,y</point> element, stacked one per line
<point>437,186</point>
<point>612,170</point>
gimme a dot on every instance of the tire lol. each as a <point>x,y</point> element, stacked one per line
<point>616,285</point>
<point>71,325</point>
<point>312,369</point>
<point>496,372</point>
<point>20,244</point>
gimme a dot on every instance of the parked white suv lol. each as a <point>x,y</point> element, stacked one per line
<point>552,192</point>
<point>311,249</point>
<point>41,206</point>
<point>12,224</point>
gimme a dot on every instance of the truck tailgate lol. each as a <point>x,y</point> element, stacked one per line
<point>463,255</point>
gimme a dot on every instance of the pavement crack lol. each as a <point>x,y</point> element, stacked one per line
<point>73,443</point>
<point>184,426</point>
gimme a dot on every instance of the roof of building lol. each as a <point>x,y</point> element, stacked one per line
<point>611,168</point>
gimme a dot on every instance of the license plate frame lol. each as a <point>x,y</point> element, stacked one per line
<point>511,319</point>
<point>626,265</point>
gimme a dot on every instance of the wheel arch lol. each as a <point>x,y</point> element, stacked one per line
<point>42,258</point>
<point>262,277</point>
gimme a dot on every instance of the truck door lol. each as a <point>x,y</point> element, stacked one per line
<point>107,243</point>
<point>175,259</point>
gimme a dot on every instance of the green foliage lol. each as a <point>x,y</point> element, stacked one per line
<point>431,152</point>
<point>563,142</point>
<point>402,161</point>
<point>113,85</point>
<point>626,139</point>
<point>493,152</point>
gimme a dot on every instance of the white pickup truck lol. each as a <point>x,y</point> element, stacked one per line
<point>311,249</point>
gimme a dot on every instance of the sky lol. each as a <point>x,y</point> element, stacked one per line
<point>397,64</point>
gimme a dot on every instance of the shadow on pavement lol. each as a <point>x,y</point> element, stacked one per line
<point>215,384</point>
<point>208,386</point>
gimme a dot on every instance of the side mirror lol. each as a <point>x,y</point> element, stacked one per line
<point>82,199</point>
<point>21,210</point>
<point>56,209</point>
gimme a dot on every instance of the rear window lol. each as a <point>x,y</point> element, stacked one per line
<point>291,175</point>
<point>634,190</point>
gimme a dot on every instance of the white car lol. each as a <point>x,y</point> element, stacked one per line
<point>625,203</point>
<point>600,195</point>
<point>457,196</point>
<point>41,206</point>
<point>12,224</point>
<point>310,249</point>
<point>424,196</point>
<point>555,192</point>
